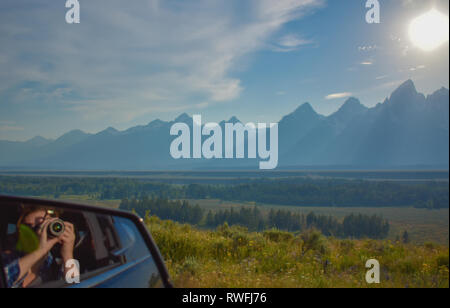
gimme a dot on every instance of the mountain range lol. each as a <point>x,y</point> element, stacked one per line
<point>407,130</point>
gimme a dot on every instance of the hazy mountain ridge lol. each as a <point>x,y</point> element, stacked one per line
<point>407,129</point>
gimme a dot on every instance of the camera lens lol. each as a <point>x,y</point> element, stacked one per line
<point>56,228</point>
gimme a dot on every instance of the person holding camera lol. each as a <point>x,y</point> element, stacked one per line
<point>31,262</point>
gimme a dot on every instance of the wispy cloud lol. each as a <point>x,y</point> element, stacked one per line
<point>367,48</point>
<point>417,68</point>
<point>338,95</point>
<point>122,62</point>
<point>7,128</point>
<point>366,63</point>
<point>411,3</point>
<point>381,77</point>
<point>291,42</point>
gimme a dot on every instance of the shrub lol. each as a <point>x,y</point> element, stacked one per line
<point>442,260</point>
<point>313,240</point>
<point>190,266</point>
<point>275,235</point>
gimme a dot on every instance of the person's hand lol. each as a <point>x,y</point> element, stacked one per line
<point>67,240</point>
<point>46,244</point>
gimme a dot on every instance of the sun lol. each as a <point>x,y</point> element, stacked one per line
<point>429,31</point>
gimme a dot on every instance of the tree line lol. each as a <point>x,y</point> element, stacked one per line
<point>310,192</point>
<point>354,226</point>
<point>180,211</point>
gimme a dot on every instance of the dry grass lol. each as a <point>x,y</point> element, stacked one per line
<point>231,257</point>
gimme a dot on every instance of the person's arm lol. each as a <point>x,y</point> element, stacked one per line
<point>68,242</point>
<point>45,245</point>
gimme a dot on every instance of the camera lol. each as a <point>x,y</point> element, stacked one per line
<point>56,228</point>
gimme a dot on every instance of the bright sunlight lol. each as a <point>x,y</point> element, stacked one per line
<point>429,31</point>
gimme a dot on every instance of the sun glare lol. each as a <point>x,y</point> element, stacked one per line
<point>429,31</point>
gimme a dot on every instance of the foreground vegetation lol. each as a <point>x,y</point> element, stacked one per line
<point>234,257</point>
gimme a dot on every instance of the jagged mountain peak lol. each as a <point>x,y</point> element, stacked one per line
<point>233,120</point>
<point>303,112</point>
<point>405,91</point>
<point>350,109</point>
<point>407,86</point>
<point>352,104</point>
<point>155,122</point>
<point>441,94</point>
<point>109,131</point>
<point>305,108</point>
<point>184,117</point>
<point>73,133</point>
<point>38,141</point>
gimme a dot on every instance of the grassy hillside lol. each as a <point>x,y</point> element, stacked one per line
<point>233,257</point>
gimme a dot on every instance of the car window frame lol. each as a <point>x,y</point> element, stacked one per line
<point>84,277</point>
<point>2,275</point>
<point>154,252</point>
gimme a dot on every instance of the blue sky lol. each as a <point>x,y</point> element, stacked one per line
<point>128,63</point>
